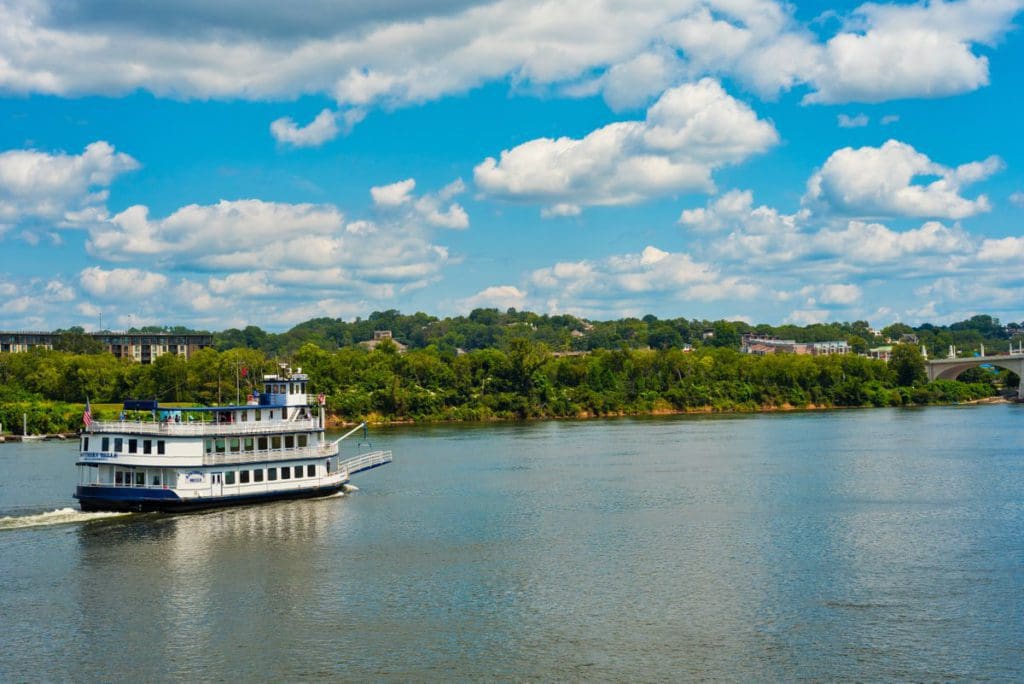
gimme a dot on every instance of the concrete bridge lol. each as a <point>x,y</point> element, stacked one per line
<point>949,369</point>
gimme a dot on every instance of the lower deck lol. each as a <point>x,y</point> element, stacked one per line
<point>135,487</point>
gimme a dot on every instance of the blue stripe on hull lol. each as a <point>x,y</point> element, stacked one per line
<point>124,499</point>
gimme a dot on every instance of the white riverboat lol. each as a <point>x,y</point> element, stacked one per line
<point>173,458</point>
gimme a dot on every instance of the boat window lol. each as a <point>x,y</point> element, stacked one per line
<point>234,445</point>
<point>247,444</point>
<point>289,441</point>
<point>85,444</point>
<point>160,447</point>
<point>118,444</point>
<point>257,475</point>
<point>302,440</point>
<point>275,442</point>
<point>271,415</point>
<point>263,443</point>
<point>118,478</point>
<point>244,415</point>
<point>133,446</point>
<point>209,446</point>
<point>147,446</point>
<point>156,478</point>
<point>243,476</point>
<point>271,473</point>
<point>229,477</point>
<point>286,473</point>
<point>259,414</point>
<point>311,471</point>
<point>140,478</point>
<point>106,444</point>
<point>220,445</point>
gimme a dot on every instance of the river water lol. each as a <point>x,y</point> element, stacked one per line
<point>847,545</point>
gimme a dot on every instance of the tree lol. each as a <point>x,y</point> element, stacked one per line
<point>907,363</point>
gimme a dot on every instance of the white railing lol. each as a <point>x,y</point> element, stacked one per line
<point>315,451</point>
<point>142,427</point>
<point>365,461</point>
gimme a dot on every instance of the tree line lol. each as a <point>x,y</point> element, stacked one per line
<point>520,379</point>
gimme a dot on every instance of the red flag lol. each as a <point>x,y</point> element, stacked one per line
<point>245,372</point>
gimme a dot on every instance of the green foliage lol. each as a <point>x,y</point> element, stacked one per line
<point>907,363</point>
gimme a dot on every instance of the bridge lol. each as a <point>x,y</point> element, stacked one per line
<point>948,369</point>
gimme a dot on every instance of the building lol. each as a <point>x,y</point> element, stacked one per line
<point>142,347</point>
<point>762,345</point>
<point>378,337</point>
<point>883,353</point>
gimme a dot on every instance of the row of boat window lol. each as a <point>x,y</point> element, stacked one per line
<point>285,473</point>
<point>137,478</point>
<point>242,444</point>
<point>133,445</point>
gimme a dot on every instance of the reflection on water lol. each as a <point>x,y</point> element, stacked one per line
<point>865,545</point>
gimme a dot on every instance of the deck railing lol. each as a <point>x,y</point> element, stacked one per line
<point>366,461</point>
<point>314,451</point>
<point>144,427</point>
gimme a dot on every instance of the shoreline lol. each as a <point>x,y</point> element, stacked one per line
<point>333,422</point>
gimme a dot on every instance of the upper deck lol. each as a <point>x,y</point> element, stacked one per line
<point>282,406</point>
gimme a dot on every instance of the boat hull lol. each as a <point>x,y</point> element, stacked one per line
<point>165,500</point>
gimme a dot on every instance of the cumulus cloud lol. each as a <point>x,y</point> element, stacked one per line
<point>1017,199</point>
<point>400,52</point>
<point>920,50</point>
<point>497,296</point>
<point>847,121</point>
<point>880,181</point>
<point>613,283</point>
<point>394,194</point>
<point>690,131</point>
<point>435,209</point>
<point>318,131</point>
<point>59,189</point>
<point>121,283</point>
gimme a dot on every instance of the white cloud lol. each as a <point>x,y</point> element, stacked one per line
<point>394,194</point>
<point>1008,249</point>
<point>121,283</point>
<point>620,282</point>
<point>880,181</point>
<point>808,316</point>
<point>839,294</point>
<point>857,121</point>
<point>399,52</point>
<point>497,296</point>
<point>920,50</point>
<point>1017,199</point>
<point>430,208</point>
<point>561,210</point>
<point>59,189</point>
<point>320,130</point>
<point>690,131</point>
<point>890,119</point>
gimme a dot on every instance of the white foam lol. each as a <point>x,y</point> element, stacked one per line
<point>350,488</point>
<point>61,516</point>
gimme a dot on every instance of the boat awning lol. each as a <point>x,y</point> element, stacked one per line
<point>140,405</point>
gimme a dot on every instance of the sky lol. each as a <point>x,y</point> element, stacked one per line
<point>248,162</point>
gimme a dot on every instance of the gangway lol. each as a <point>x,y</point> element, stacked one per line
<point>367,461</point>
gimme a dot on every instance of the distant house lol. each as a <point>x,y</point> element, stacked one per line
<point>762,345</point>
<point>137,346</point>
<point>881,353</point>
<point>908,338</point>
<point>378,337</point>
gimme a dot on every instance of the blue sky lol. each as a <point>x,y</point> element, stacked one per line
<point>234,163</point>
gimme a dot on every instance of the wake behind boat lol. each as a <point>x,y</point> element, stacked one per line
<point>273,447</point>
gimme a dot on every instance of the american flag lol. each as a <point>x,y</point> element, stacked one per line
<point>87,416</point>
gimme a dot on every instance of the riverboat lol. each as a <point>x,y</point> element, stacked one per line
<point>160,458</point>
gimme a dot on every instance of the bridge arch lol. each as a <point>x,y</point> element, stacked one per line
<point>949,369</point>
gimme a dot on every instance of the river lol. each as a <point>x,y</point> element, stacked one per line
<point>843,545</point>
